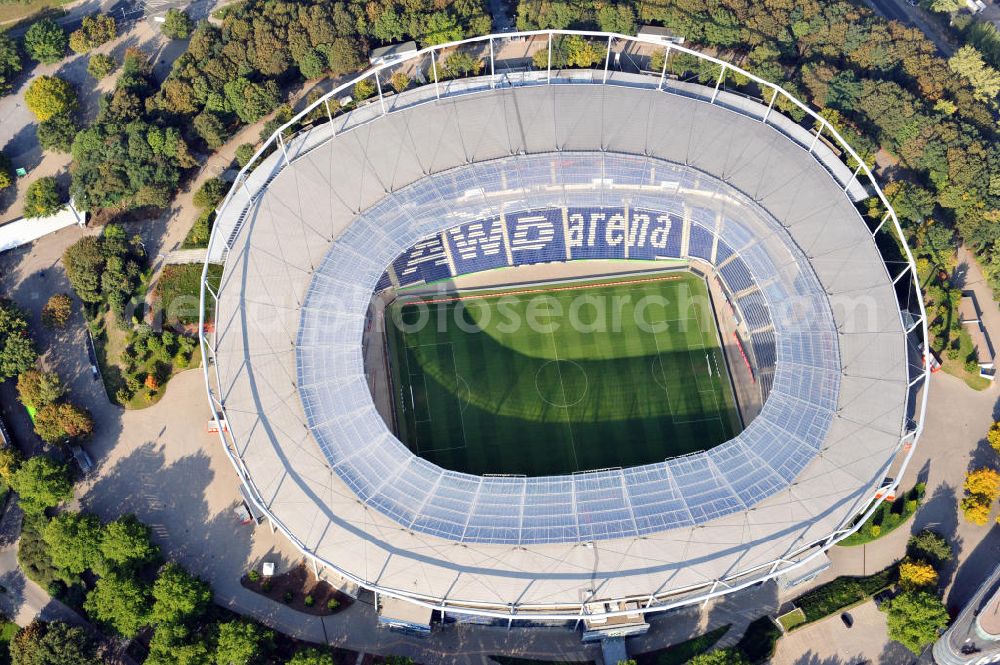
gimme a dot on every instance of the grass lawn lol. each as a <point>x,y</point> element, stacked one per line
<point>957,368</point>
<point>889,516</point>
<point>558,378</point>
<point>179,292</point>
<point>790,620</point>
<point>682,652</point>
<point>842,592</point>
<point>13,12</point>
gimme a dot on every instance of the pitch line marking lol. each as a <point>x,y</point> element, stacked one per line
<point>577,287</point>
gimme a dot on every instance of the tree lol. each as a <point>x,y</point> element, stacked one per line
<point>929,546</point>
<point>37,389</point>
<point>251,101</point>
<point>176,24</point>
<point>73,539</point>
<point>460,64</point>
<point>123,603</point>
<point>126,544</point>
<point>57,311</point>
<point>915,619</point>
<point>985,80</point>
<point>6,173</point>
<point>17,351</point>
<point>54,643</point>
<point>41,483</point>
<point>914,574</point>
<point>10,461</point>
<point>45,41</point>
<point>57,422</point>
<point>42,198</point>
<point>178,596</point>
<point>211,129</point>
<point>720,657</point>
<point>242,643</point>
<point>100,65</point>
<point>993,436</point>
<point>10,63</point>
<point>95,30</point>
<point>311,657</point>
<point>617,18</point>
<point>947,6</point>
<point>57,133</point>
<point>984,481</point>
<point>48,96</point>
<point>84,263</point>
<point>211,192</point>
<point>976,509</point>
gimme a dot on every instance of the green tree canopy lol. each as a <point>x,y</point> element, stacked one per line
<point>10,62</point>
<point>57,422</point>
<point>100,65</point>
<point>176,24</point>
<point>48,96</point>
<point>95,30</point>
<point>211,193</point>
<point>73,539</point>
<point>930,546</point>
<point>178,596</point>
<point>57,133</point>
<point>43,198</point>
<point>84,262</point>
<point>123,603</point>
<point>17,351</point>
<point>915,619</point>
<point>45,41</point>
<point>251,101</point>
<point>985,80</point>
<point>41,483</point>
<point>311,657</point>
<point>126,544</point>
<point>55,643</point>
<point>720,657</point>
<point>36,388</point>
<point>242,643</point>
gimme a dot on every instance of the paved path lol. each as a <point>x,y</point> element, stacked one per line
<point>186,256</point>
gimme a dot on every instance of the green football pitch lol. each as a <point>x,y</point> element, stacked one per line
<point>561,377</point>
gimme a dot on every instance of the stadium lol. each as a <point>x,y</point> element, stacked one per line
<point>387,421</point>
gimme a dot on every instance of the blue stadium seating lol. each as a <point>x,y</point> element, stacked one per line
<point>736,276</point>
<point>722,252</point>
<point>755,311</point>
<point>654,235</point>
<point>763,348</point>
<point>383,282</point>
<point>477,246</point>
<point>424,262</point>
<point>536,236</point>
<point>596,233</point>
<point>700,242</point>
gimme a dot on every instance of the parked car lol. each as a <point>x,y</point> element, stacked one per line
<point>847,619</point>
<point>82,458</point>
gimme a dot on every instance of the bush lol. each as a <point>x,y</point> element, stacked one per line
<point>201,231</point>
<point>176,25</point>
<point>244,153</point>
<point>48,96</point>
<point>42,198</point>
<point>45,41</point>
<point>211,193</point>
<point>758,642</point>
<point>332,604</point>
<point>6,173</point>
<point>841,592</point>
<point>288,597</point>
<point>309,601</point>
<point>253,576</point>
<point>56,312</point>
<point>100,65</point>
<point>399,81</point>
<point>57,133</point>
<point>363,89</point>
